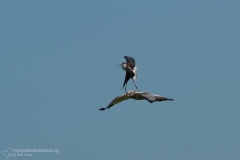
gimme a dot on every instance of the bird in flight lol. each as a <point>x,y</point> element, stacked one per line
<point>131,71</point>
<point>137,96</point>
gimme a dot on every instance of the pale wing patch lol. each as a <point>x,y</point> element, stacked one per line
<point>156,95</point>
<point>135,72</point>
<point>139,92</point>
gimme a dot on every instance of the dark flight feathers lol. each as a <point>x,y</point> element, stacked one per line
<point>152,98</point>
<point>130,62</point>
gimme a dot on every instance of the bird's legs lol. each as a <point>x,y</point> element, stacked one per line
<point>135,84</point>
<point>126,87</point>
<point>132,79</point>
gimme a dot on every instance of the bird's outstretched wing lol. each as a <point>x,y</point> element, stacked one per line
<point>116,101</point>
<point>152,98</point>
<point>130,62</point>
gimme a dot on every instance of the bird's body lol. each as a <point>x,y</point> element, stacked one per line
<point>134,70</point>
<point>131,71</point>
<point>137,96</point>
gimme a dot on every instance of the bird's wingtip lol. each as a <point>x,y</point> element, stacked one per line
<point>102,109</point>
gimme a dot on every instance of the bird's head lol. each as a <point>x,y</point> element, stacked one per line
<point>123,65</point>
<point>130,93</point>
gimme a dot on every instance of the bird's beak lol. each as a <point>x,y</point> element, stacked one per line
<point>119,65</point>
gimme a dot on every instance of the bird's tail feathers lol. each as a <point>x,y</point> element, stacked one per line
<point>135,72</point>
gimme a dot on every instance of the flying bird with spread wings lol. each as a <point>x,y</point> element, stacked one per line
<point>131,71</point>
<point>137,96</point>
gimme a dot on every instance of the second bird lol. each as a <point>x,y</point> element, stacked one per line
<point>131,71</point>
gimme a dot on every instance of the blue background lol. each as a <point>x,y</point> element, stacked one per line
<point>58,67</point>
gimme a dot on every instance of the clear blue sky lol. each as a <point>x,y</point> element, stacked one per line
<point>58,67</point>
